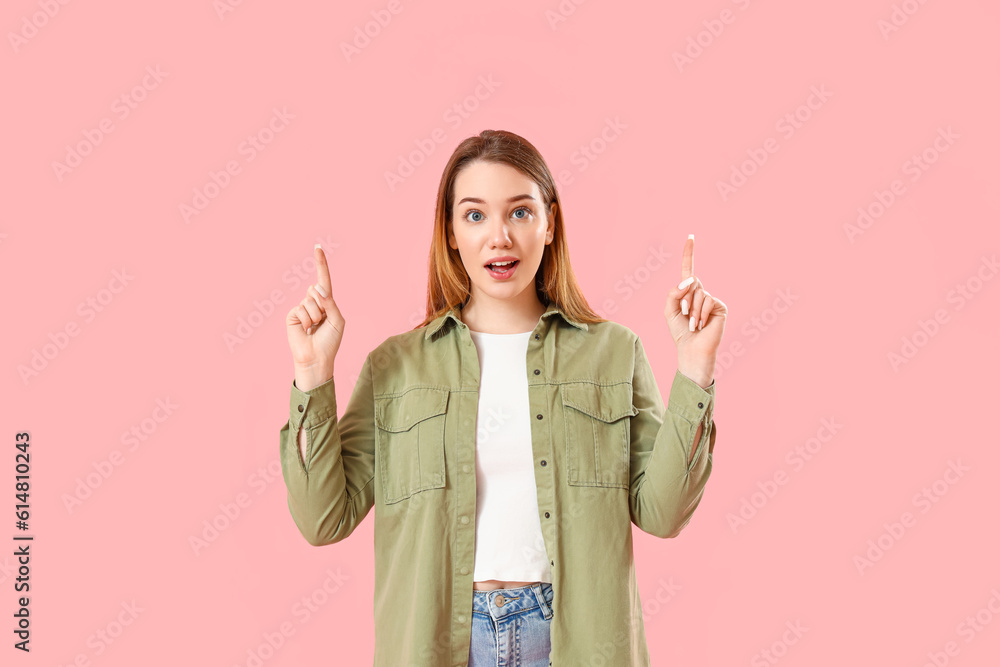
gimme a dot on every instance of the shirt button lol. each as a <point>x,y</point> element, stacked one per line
<point>538,416</point>
<point>537,336</point>
<point>538,371</point>
<point>466,468</point>
<point>465,519</point>
<point>465,570</point>
<point>301,408</point>
<point>701,405</point>
<point>461,618</point>
<point>543,461</point>
<point>546,515</point>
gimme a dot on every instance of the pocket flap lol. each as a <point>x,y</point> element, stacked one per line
<point>607,403</point>
<point>401,413</point>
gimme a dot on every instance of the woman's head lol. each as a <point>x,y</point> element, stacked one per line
<point>497,198</point>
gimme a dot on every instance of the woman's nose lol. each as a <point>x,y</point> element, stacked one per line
<point>499,234</point>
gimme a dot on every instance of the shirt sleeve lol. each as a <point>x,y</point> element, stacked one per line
<point>332,490</point>
<point>668,469</point>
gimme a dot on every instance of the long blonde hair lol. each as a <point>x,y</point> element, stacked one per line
<point>448,283</point>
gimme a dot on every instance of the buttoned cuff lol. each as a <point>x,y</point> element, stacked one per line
<point>689,400</point>
<point>313,407</point>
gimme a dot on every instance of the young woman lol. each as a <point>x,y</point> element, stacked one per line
<point>508,442</point>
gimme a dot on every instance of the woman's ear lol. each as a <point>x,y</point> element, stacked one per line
<point>550,229</point>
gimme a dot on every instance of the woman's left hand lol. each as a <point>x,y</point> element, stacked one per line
<point>690,305</point>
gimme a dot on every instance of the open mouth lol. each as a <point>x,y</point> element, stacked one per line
<point>502,269</point>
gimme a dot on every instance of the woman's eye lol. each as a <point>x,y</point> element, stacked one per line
<point>472,213</point>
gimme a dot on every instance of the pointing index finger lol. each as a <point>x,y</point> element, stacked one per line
<point>687,259</point>
<point>322,270</point>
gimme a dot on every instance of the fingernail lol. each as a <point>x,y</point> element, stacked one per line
<point>320,290</point>
<point>309,331</point>
<point>684,306</point>
<point>691,236</point>
<point>318,246</point>
<point>701,324</point>
<point>691,323</point>
<point>686,282</point>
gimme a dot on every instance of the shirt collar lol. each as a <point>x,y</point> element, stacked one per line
<point>454,313</point>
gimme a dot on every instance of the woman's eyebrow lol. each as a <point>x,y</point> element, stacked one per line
<point>477,200</point>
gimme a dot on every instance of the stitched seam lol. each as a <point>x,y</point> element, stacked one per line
<point>597,451</point>
<point>411,388</point>
<point>472,390</point>
<point>309,450</point>
<point>420,470</point>
<point>570,453</point>
<point>586,410</point>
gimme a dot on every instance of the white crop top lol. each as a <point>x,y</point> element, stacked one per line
<point>509,544</point>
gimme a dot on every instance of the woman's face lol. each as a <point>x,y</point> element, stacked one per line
<point>498,212</point>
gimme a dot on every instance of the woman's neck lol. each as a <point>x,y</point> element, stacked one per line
<point>503,317</point>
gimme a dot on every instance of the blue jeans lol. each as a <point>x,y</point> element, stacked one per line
<point>510,627</point>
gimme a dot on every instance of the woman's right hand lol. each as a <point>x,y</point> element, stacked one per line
<point>316,327</point>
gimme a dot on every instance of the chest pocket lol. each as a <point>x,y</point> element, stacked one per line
<point>596,422</point>
<point>410,445</point>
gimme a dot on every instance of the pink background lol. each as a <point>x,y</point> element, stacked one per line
<point>164,334</point>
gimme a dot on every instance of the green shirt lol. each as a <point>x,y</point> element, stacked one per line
<point>607,454</point>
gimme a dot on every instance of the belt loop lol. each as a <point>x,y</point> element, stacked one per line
<point>543,604</point>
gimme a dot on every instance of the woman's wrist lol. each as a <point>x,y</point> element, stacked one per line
<point>700,371</point>
<point>308,378</point>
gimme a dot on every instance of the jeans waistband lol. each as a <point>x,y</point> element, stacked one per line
<point>508,601</point>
